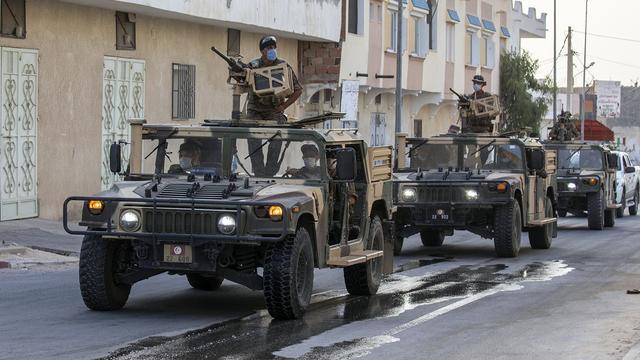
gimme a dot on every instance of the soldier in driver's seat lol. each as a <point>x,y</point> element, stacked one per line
<point>311,158</point>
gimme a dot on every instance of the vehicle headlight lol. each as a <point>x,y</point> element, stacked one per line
<point>226,224</point>
<point>471,194</point>
<point>571,186</point>
<point>130,220</point>
<point>409,194</point>
<point>590,181</point>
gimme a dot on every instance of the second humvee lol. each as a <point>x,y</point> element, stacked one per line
<point>251,211</point>
<point>493,186</point>
<point>586,182</point>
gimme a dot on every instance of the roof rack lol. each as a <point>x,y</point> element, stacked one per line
<point>309,121</point>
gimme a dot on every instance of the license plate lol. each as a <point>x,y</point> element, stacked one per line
<point>174,253</point>
<point>439,214</point>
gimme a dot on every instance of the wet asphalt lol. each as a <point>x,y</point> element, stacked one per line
<point>456,302</point>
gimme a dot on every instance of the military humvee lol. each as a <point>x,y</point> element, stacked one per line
<point>249,204</point>
<point>586,182</point>
<point>493,186</point>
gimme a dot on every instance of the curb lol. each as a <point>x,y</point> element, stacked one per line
<point>56,251</point>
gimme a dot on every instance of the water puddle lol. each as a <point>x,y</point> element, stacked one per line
<point>321,333</point>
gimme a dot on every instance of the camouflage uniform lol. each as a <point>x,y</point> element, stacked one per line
<point>475,124</point>
<point>564,129</point>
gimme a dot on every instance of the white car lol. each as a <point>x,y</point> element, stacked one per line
<point>626,184</point>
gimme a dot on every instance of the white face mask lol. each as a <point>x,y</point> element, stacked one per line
<point>309,162</point>
<point>185,163</point>
<point>477,87</point>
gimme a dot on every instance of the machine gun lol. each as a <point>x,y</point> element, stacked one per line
<point>275,81</point>
<point>477,114</point>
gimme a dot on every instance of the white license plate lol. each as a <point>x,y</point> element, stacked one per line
<point>175,253</point>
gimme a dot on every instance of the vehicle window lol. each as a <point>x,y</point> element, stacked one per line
<point>492,157</point>
<point>586,159</point>
<point>433,156</point>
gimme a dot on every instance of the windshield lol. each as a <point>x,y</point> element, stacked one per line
<point>585,159</point>
<point>270,156</point>
<point>474,156</point>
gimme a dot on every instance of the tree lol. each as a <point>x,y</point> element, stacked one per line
<point>518,85</point>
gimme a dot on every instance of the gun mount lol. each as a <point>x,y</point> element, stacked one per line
<point>276,80</point>
<point>477,114</point>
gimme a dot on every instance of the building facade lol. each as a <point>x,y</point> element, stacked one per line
<point>73,73</point>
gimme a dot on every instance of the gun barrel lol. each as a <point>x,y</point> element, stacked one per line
<point>455,93</point>
<point>232,63</point>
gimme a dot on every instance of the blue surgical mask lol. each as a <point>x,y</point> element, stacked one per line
<point>272,54</point>
<point>477,87</point>
<point>185,163</point>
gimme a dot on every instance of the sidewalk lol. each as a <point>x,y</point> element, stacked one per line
<point>40,234</point>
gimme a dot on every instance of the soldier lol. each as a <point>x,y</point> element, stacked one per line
<point>188,158</point>
<point>478,88</point>
<point>310,157</point>
<point>268,108</point>
<point>564,129</point>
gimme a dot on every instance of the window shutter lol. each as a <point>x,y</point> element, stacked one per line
<point>475,50</point>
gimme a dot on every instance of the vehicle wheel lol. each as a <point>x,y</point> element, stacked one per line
<point>288,276</point>
<point>508,229</point>
<point>398,241</point>
<point>610,217</point>
<point>595,210</point>
<point>205,283</point>
<point>562,213</point>
<point>620,210</point>
<point>431,237</point>
<point>365,278</point>
<point>633,210</point>
<point>540,237</point>
<point>100,261</point>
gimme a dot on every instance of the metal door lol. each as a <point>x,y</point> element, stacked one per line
<point>18,134</point>
<point>122,99</point>
<point>378,128</point>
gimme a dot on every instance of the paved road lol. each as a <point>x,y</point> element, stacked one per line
<point>454,302</point>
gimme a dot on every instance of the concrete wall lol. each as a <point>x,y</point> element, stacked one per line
<point>72,41</point>
<point>289,18</point>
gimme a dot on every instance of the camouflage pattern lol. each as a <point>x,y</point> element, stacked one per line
<point>262,107</point>
<point>564,129</point>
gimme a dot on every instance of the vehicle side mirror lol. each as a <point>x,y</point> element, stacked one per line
<point>612,159</point>
<point>115,158</point>
<point>536,159</point>
<point>346,164</point>
<point>629,170</point>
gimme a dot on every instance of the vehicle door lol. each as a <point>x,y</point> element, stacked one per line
<point>629,178</point>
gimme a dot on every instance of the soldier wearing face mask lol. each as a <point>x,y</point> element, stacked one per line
<point>478,88</point>
<point>188,158</point>
<point>311,159</point>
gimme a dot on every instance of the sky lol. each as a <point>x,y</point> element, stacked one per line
<point>614,59</point>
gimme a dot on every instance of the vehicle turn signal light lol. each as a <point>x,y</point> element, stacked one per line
<point>95,206</point>
<point>590,181</point>
<point>502,187</point>
<point>275,212</point>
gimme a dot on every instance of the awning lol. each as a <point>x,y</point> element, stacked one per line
<point>505,32</point>
<point>474,21</point>
<point>421,4</point>
<point>453,15</point>
<point>488,25</point>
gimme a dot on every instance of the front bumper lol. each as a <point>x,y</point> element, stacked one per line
<point>581,189</point>
<point>191,214</point>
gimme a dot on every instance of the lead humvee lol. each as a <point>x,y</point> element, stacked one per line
<point>248,205</point>
<point>586,182</point>
<point>493,186</point>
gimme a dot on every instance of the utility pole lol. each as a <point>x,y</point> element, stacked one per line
<point>569,70</point>
<point>555,60</point>
<point>584,73</point>
<point>399,74</point>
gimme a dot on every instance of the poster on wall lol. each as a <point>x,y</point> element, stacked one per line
<point>609,96</point>
<point>349,103</point>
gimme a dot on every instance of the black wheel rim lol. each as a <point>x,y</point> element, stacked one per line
<point>302,277</point>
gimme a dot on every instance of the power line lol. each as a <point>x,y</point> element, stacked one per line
<point>616,62</point>
<point>610,37</point>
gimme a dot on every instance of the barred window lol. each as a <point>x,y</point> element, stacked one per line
<point>125,31</point>
<point>13,18</point>
<point>184,92</point>
<point>233,42</point>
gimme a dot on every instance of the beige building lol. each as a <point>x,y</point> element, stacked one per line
<point>445,43</point>
<point>74,71</point>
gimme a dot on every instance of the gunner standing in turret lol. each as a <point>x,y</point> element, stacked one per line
<point>478,88</point>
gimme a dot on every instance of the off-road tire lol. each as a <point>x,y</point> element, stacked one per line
<point>431,237</point>
<point>610,217</point>
<point>595,210</point>
<point>97,272</point>
<point>365,278</point>
<point>562,213</point>
<point>398,241</point>
<point>541,237</point>
<point>288,276</point>
<point>508,229</point>
<point>633,210</point>
<point>620,210</point>
<point>205,283</point>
